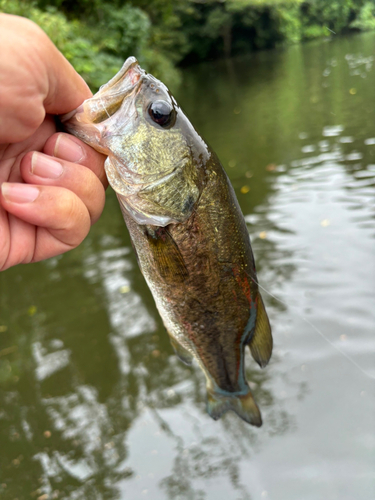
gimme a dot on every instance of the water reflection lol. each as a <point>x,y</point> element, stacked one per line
<point>88,444</point>
<point>93,402</point>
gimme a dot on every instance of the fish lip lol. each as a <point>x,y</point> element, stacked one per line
<point>67,116</point>
<point>127,79</point>
<point>130,63</point>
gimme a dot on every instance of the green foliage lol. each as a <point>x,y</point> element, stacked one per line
<point>126,30</point>
<point>72,38</point>
<point>98,47</point>
<point>216,20</point>
<point>366,18</point>
<point>334,14</point>
<point>315,31</point>
<point>98,35</point>
<point>288,22</point>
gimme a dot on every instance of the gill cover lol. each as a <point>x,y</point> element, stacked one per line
<point>152,159</point>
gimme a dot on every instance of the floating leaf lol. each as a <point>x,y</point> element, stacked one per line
<point>31,310</point>
<point>271,167</point>
<point>8,350</point>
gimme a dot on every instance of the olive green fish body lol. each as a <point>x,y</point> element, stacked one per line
<point>188,231</point>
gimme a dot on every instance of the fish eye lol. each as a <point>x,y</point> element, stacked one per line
<point>162,113</point>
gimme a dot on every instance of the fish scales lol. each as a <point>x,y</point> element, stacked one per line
<point>188,232</point>
<point>199,305</point>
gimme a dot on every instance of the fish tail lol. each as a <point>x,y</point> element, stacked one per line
<point>244,405</point>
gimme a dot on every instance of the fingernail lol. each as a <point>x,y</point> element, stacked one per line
<point>43,166</point>
<point>19,193</point>
<point>66,149</point>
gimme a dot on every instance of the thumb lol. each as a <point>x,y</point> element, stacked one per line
<point>35,79</point>
<point>66,88</point>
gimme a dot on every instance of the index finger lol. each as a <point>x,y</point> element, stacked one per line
<point>70,148</point>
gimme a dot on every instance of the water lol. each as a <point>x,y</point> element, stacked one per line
<point>93,402</point>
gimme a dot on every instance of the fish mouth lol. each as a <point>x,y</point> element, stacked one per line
<point>87,121</point>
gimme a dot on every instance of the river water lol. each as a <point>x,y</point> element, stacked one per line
<point>93,402</point>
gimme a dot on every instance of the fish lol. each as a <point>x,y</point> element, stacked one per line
<point>187,230</point>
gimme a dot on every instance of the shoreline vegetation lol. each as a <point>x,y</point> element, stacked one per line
<point>97,36</point>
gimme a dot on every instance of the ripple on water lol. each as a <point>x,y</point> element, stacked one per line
<point>332,131</point>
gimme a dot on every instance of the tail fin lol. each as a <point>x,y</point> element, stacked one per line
<point>261,342</point>
<point>244,406</point>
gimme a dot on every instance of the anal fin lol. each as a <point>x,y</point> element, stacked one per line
<point>261,342</point>
<point>182,353</point>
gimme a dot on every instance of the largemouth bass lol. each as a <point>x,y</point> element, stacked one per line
<point>187,230</point>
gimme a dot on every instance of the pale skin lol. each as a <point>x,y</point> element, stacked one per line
<point>52,185</point>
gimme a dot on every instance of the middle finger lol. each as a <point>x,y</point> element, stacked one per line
<point>42,169</point>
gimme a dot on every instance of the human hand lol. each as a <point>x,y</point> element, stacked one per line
<point>52,184</point>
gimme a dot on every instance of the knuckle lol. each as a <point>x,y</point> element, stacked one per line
<point>4,250</point>
<point>95,162</point>
<point>35,117</point>
<point>76,219</point>
<point>94,196</point>
<point>72,211</point>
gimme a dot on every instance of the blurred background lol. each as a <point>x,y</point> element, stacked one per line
<point>98,35</point>
<point>93,402</point>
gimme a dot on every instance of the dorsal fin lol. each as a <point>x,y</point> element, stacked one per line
<point>261,342</point>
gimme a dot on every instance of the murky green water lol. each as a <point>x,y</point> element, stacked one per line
<point>93,403</point>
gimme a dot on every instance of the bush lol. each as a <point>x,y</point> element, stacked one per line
<point>97,53</point>
<point>366,19</point>
<point>97,36</point>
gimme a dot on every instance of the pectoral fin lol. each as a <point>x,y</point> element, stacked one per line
<point>167,256</point>
<point>182,353</point>
<point>261,342</point>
